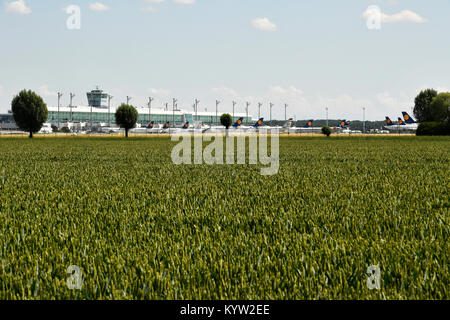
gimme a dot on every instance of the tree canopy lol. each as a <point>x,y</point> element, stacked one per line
<point>29,111</point>
<point>226,120</point>
<point>440,107</point>
<point>422,105</point>
<point>326,131</point>
<point>126,117</point>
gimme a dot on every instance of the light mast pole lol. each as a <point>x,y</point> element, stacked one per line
<point>217,110</point>
<point>109,109</point>
<point>150,99</point>
<point>246,111</point>
<point>271,106</point>
<point>70,106</point>
<point>59,98</point>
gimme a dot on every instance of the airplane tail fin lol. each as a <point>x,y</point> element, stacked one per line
<point>259,123</point>
<point>401,122</point>
<point>151,125</point>
<point>166,125</point>
<point>186,125</point>
<point>288,123</point>
<point>309,124</point>
<point>238,123</point>
<point>407,118</point>
<point>343,124</point>
<point>389,121</point>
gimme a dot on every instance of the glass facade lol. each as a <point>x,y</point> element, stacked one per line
<point>76,116</point>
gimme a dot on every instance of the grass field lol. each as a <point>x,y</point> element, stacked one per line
<point>140,227</point>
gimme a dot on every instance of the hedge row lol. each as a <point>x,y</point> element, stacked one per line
<point>433,129</point>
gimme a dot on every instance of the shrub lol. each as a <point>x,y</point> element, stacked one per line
<point>326,131</point>
<point>433,129</point>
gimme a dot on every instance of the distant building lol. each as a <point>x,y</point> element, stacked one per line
<point>7,122</point>
<point>98,113</point>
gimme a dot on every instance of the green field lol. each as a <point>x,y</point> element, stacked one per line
<point>140,227</point>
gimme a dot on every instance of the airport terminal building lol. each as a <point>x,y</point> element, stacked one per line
<point>98,114</point>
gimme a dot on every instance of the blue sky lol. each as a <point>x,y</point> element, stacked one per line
<point>310,54</point>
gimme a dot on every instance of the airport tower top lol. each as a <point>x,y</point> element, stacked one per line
<point>97,98</point>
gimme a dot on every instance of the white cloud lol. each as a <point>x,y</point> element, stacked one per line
<point>402,16</point>
<point>184,1</point>
<point>45,91</point>
<point>442,89</point>
<point>225,91</point>
<point>150,9</point>
<point>392,2</point>
<point>291,90</point>
<point>159,92</point>
<point>294,90</point>
<point>385,99</point>
<point>18,6</point>
<point>97,6</point>
<point>264,24</point>
<point>439,89</point>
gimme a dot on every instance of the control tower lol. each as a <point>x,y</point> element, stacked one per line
<point>97,98</point>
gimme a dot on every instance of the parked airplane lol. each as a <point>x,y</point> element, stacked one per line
<point>408,125</point>
<point>167,129</point>
<point>255,127</point>
<point>407,118</point>
<point>46,128</point>
<point>307,128</point>
<point>237,125</point>
<point>409,121</point>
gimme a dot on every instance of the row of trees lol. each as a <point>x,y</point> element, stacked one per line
<point>30,113</point>
<point>432,110</point>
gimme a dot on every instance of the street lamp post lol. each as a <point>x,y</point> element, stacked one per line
<point>271,106</point>
<point>246,111</point>
<point>285,111</point>
<point>196,109</point>
<point>109,109</point>
<point>59,99</point>
<point>234,104</point>
<point>259,110</point>
<point>70,106</point>
<point>166,109</point>
<point>174,103</point>
<point>327,115</point>
<point>150,99</point>
<point>364,120</point>
<point>217,111</point>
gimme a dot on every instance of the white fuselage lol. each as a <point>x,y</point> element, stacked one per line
<point>403,128</point>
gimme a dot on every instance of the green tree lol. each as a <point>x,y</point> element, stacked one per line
<point>29,111</point>
<point>422,105</point>
<point>326,131</point>
<point>440,107</point>
<point>126,117</point>
<point>226,120</point>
